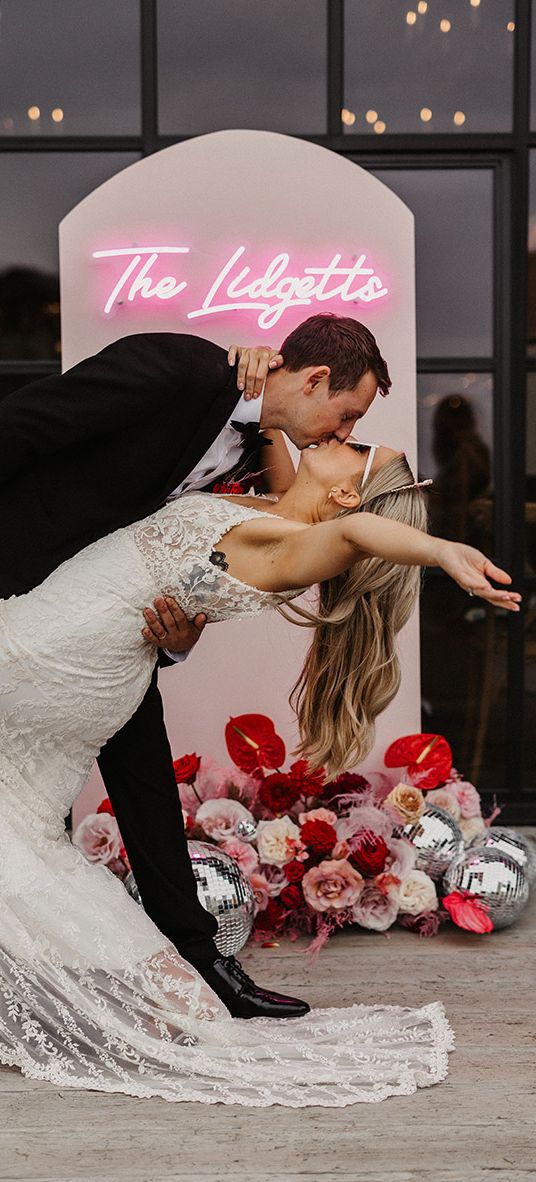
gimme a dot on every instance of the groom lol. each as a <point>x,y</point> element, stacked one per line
<point>107,443</point>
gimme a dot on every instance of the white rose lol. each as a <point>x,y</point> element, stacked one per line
<point>278,841</point>
<point>472,827</point>
<point>417,893</point>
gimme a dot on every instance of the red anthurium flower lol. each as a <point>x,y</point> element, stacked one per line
<point>252,742</point>
<point>468,911</point>
<point>428,758</point>
<point>105,806</point>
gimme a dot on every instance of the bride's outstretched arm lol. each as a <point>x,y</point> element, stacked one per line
<point>321,551</point>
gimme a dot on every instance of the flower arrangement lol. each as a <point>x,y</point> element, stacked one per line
<point>319,855</point>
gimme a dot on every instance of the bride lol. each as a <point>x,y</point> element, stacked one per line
<point>92,995</point>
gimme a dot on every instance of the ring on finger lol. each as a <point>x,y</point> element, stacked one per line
<point>469,592</point>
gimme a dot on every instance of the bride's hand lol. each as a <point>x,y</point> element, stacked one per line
<point>472,571</point>
<point>253,366</point>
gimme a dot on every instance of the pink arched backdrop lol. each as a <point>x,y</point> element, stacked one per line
<point>238,236</point>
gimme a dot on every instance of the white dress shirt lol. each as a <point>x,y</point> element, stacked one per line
<point>226,449</point>
<point>222,455</point>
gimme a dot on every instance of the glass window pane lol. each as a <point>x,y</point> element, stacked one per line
<point>37,189</point>
<point>454,249</point>
<point>530,694</point>
<point>455,433</point>
<point>231,63</point>
<point>531,316</point>
<point>530,509</point>
<point>533,74</point>
<point>463,679</point>
<point>463,641</point>
<point>420,68</point>
<point>75,67</point>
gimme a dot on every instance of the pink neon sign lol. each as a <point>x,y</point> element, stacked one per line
<point>238,288</point>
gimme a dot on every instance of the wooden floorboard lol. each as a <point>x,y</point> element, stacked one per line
<point>476,1126</point>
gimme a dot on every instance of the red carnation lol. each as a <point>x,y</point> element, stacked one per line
<point>294,871</point>
<point>319,836</point>
<point>105,806</point>
<point>186,768</point>
<point>345,783</point>
<point>310,782</point>
<point>292,896</point>
<point>369,852</point>
<point>278,792</point>
<point>271,918</point>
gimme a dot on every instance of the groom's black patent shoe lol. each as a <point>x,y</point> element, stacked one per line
<point>245,999</point>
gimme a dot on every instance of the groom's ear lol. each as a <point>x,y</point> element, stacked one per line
<point>313,375</point>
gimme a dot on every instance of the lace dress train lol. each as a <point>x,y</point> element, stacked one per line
<point>92,995</point>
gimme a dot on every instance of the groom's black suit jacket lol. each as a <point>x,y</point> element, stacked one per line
<point>82,454</point>
<point>103,445</point>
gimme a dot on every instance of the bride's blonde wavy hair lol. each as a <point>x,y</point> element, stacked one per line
<point>351,671</point>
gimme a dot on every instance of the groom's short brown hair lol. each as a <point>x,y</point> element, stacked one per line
<point>341,342</point>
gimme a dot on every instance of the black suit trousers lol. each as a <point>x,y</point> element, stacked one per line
<point>137,768</point>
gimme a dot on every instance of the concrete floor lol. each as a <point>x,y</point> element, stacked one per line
<point>476,1126</point>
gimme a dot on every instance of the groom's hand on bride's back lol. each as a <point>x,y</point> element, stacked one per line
<point>253,365</point>
<point>168,628</point>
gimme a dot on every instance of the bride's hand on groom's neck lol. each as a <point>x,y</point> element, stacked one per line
<point>254,365</point>
<point>169,628</point>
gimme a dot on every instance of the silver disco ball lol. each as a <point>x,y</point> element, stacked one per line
<point>223,890</point>
<point>246,830</point>
<point>513,844</point>
<point>437,838</point>
<point>496,878</point>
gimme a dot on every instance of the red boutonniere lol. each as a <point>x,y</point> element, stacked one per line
<point>229,487</point>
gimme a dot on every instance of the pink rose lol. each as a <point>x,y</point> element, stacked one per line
<point>446,799</point>
<point>260,891</point>
<point>220,817</point>
<point>388,883</point>
<point>341,850</point>
<point>322,814</point>
<point>468,798</point>
<point>374,909</point>
<point>98,837</point>
<point>332,885</point>
<point>275,879</point>
<point>243,853</point>
<point>213,782</point>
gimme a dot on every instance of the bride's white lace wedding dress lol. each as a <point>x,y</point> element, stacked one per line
<point>92,995</point>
